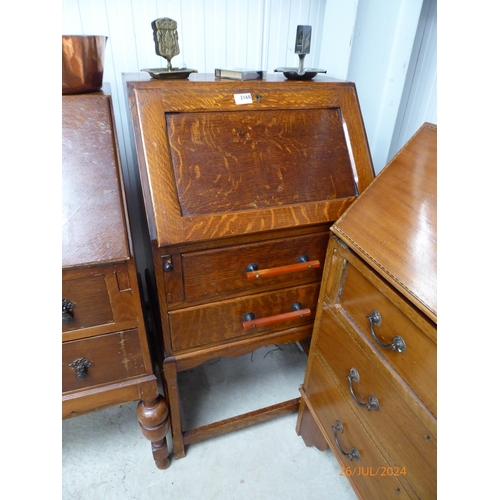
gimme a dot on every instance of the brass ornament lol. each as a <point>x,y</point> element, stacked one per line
<point>166,41</point>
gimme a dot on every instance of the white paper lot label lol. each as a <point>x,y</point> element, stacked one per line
<point>243,98</point>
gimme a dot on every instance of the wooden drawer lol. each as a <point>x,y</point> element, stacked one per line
<point>102,298</point>
<point>222,321</point>
<point>417,365</point>
<point>115,356</point>
<point>280,262</point>
<point>371,475</point>
<point>410,442</point>
<point>90,299</point>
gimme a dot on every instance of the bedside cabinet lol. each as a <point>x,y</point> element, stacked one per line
<point>241,181</point>
<point>105,353</point>
<point>370,386</point>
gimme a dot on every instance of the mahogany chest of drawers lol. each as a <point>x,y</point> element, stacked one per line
<point>239,199</point>
<point>105,353</point>
<point>370,386</point>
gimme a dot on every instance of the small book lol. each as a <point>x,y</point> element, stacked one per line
<point>240,73</point>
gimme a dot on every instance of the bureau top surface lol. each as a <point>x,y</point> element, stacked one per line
<point>143,79</point>
<point>292,153</point>
<point>393,226</point>
<point>94,227</point>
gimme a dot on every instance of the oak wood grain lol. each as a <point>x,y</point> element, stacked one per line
<point>94,228</point>
<point>258,159</point>
<point>222,271</point>
<point>417,365</point>
<point>328,406</point>
<point>114,356</point>
<point>222,321</point>
<point>395,426</point>
<point>237,190</point>
<point>382,256</point>
<point>398,234</point>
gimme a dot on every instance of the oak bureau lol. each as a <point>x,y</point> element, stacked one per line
<point>105,354</point>
<point>240,181</point>
<point>370,386</point>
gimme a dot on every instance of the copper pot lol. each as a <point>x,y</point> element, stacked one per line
<point>82,63</point>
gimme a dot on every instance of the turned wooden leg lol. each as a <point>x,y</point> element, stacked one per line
<point>154,422</point>
<point>172,390</point>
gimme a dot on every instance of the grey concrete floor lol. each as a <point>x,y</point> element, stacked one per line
<point>105,456</point>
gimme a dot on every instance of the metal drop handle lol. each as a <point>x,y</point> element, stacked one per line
<point>372,400</point>
<point>354,455</point>
<point>398,344</point>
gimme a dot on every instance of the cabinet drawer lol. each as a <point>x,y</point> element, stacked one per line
<point>284,261</point>
<point>417,365</point>
<point>221,322</point>
<point>410,443</point>
<point>102,298</point>
<point>371,475</point>
<point>108,358</point>
<point>90,302</point>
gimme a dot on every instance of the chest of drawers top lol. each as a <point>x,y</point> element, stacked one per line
<point>94,225</point>
<point>295,154</point>
<point>393,225</point>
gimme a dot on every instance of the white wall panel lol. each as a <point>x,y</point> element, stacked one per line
<point>279,18</point>
<point>336,37</point>
<point>143,12</point>
<point>215,30</point>
<point>195,41</point>
<point>382,46</point>
<point>419,100</point>
<point>71,19</point>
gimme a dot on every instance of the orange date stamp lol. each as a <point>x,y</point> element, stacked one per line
<point>372,471</point>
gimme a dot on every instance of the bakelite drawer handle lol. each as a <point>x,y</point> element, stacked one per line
<point>81,366</point>
<point>249,320</point>
<point>67,311</point>
<point>398,344</point>
<point>253,272</point>
<point>354,455</point>
<point>372,400</point>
